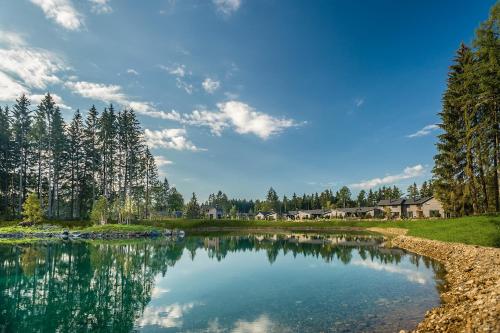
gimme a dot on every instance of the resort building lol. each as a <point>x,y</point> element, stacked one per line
<point>355,212</point>
<point>214,213</point>
<point>413,208</point>
<point>266,216</point>
<point>309,214</point>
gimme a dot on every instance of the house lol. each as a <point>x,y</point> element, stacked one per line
<point>393,206</point>
<point>335,213</point>
<point>309,214</point>
<point>214,213</point>
<point>262,215</point>
<point>424,207</point>
<point>355,212</point>
<point>292,215</point>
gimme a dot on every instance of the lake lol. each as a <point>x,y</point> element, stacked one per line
<point>216,283</point>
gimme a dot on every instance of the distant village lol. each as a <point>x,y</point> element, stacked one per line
<point>402,208</point>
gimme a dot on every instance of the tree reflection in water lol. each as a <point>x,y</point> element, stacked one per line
<point>105,286</point>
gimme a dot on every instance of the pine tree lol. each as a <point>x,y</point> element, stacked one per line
<point>6,162</point>
<point>76,157</point>
<point>21,128</point>
<point>193,208</point>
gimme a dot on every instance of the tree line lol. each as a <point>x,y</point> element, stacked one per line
<point>71,166</point>
<point>327,199</point>
<point>466,167</point>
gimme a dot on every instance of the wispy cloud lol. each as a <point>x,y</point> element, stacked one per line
<point>426,130</point>
<point>172,138</point>
<point>176,70</point>
<point>61,12</point>
<point>108,93</point>
<point>23,67</point>
<point>412,276</point>
<point>358,102</point>
<point>181,84</point>
<point>408,173</point>
<point>11,38</point>
<point>132,71</point>
<point>210,85</point>
<point>162,161</point>
<point>227,7</point>
<point>10,89</point>
<point>101,6</point>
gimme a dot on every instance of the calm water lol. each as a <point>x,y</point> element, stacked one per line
<point>246,284</point>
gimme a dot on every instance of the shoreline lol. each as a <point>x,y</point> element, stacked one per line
<point>471,302</point>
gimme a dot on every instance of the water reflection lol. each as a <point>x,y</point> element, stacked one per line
<point>124,286</point>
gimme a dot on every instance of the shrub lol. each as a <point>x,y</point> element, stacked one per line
<point>32,210</point>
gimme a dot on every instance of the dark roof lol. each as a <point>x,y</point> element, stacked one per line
<point>417,201</point>
<point>357,209</point>
<point>312,211</point>
<point>265,213</point>
<point>391,202</point>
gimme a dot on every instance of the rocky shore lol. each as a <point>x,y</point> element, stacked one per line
<point>471,302</point>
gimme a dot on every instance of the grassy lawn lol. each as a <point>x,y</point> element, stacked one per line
<point>477,230</point>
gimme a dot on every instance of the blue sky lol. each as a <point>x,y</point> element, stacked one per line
<point>241,95</point>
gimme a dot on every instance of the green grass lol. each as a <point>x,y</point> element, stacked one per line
<point>476,230</point>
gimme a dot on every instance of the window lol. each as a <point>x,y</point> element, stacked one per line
<point>434,213</point>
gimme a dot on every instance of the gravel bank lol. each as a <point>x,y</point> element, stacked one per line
<point>471,302</point>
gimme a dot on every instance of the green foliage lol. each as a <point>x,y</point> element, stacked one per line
<point>467,160</point>
<point>32,210</point>
<point>100,211</point>
<point>193,210</point>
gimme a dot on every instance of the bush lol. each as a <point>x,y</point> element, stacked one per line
<point>32,210</point>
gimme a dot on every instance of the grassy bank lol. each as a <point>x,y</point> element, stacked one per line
<point>476,230</point>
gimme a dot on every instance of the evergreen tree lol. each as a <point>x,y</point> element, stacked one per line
<point>21,127</point>
<point>193,208</point>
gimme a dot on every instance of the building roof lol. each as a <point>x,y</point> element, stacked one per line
<point>417,201</point>
<point>312,211</point>
<point>391,202</point>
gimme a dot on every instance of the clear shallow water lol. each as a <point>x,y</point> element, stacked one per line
<point>245,284</point>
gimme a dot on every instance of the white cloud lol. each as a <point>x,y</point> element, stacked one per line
<point>181,84</point>
<point>260,325</point>
<point>408,172</point>
<point>358,102</point>
<point>101,6</point>
<point>162,161</point>
<point>210,85</point>
<point>108,93</point>
<point>246,120</point>
<point>171,138</point>
<point>426,130</point>
<point>37,98</point>
<point>11,38</point>
<point>132,71</point>
<point>412,276</point>
<point>237,115</point>
<point>37,68</point>
<point>178,70</point>
<point>227,7</point>
<point>10,89</point>
<point>62,12</point>
<point>169,316</point>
